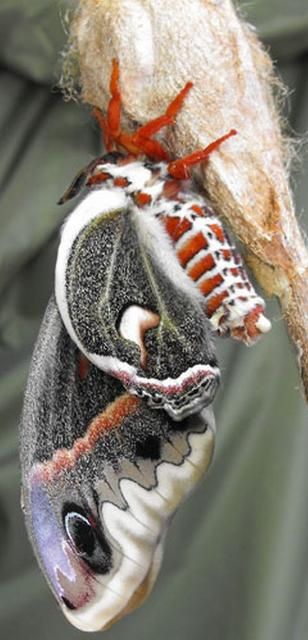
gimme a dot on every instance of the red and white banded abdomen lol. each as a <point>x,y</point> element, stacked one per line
<point>206,253</point>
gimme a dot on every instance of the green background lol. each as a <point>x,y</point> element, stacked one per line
<point>236,561</point>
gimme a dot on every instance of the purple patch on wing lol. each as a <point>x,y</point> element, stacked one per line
<point>67,574</point>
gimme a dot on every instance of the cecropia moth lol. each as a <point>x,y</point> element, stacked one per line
<point>117,427</point>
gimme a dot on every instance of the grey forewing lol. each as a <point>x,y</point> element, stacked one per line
<point>109,270</point>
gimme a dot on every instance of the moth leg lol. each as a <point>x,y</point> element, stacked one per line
<point>142,138</point>
<point>139,142</point>
<point>115,104</point>
<point>179,169</point>
<point>110,125</point>
<point>150,128</point>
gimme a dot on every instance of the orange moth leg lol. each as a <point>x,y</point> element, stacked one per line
<point>179,168</point>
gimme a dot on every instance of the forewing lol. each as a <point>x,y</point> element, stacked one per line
<point>129,316</point>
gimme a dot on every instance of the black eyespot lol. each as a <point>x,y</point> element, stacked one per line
<point>80,532</point>
<point>87,538</point>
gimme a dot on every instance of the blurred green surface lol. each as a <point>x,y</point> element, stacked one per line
<point>236,561</point>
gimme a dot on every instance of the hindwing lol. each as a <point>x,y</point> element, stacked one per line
<point>102,474</point>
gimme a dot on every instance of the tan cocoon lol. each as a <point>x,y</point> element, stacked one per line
<point>160,45</point>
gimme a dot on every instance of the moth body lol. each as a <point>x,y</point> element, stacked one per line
<point>202,246</point>
<point>145,273</point>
